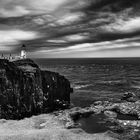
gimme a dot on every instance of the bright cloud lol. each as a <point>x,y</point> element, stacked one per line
<point>76,37</point>
<point>129,26</point>
<point>56,41</point>
<point>69,18</point>
<point>15,8</point>
<point>16,35</point>
<point>45,4</point>
<point>13,37</point>
<point>15,12</point>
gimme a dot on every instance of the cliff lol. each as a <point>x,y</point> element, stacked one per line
<point>26,90</point>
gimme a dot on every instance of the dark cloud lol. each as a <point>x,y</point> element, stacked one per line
<point>111,5</point>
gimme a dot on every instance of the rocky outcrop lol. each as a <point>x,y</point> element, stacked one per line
<point>111,110</point>
<point>122,118</point>
<point>26,90</point>
<point>56,89</point>
<point>129,96</point>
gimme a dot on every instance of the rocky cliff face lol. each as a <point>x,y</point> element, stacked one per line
<point>26,90</point>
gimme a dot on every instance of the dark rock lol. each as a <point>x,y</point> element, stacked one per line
<point>113,111</point>
<point>118,129</point>
<point>26,90</point>
<point>110,114</point>
<point>70,125</point>
<point>130,97</point>
<point>56,89</point>
<point>97,103</point>
<point>121,118</point>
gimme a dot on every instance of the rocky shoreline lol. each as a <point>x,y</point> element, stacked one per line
<point>121,128</point>
<point>63,124</point>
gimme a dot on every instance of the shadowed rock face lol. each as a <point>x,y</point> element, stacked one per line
<point>25,90</point>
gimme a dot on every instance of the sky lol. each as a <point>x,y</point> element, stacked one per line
<point>70,28</point>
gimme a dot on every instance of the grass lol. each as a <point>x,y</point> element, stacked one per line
<point>43,127</point>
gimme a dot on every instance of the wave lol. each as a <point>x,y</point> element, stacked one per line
<point>81,86</point>
<point>115,82</point>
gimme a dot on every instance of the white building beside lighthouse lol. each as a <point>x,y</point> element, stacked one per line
<point>23,54</point>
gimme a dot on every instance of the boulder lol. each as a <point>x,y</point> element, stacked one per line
<point>110,114</point>
<point>129,96</point>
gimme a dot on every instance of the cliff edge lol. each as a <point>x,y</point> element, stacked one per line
<point>26,90</point>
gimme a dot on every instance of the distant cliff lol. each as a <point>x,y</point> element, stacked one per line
<point>26,90</point>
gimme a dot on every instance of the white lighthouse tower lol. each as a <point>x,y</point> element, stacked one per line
<point>23,52</point>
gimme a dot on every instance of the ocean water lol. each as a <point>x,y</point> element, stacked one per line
<point>97,79</point>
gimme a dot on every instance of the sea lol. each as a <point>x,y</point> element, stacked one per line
<point>95,79</point>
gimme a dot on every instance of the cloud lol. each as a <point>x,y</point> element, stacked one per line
<point>69,38</point>
<point>45,5</point>
<point>15,12</point>
<point>132,25</point>
<point>70,18</point>
<point>56,41</point>
<point>129,26</point>
<point>39,21</point>
<point>89,48</point>
<point>76,37</point>
<point>13,37</point>
<point>15,8</point>
<point>69,27</point>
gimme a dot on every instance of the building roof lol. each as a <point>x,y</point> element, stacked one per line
<point>23,46</point>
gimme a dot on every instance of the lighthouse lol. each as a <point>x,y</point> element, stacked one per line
<point>23,52</point>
